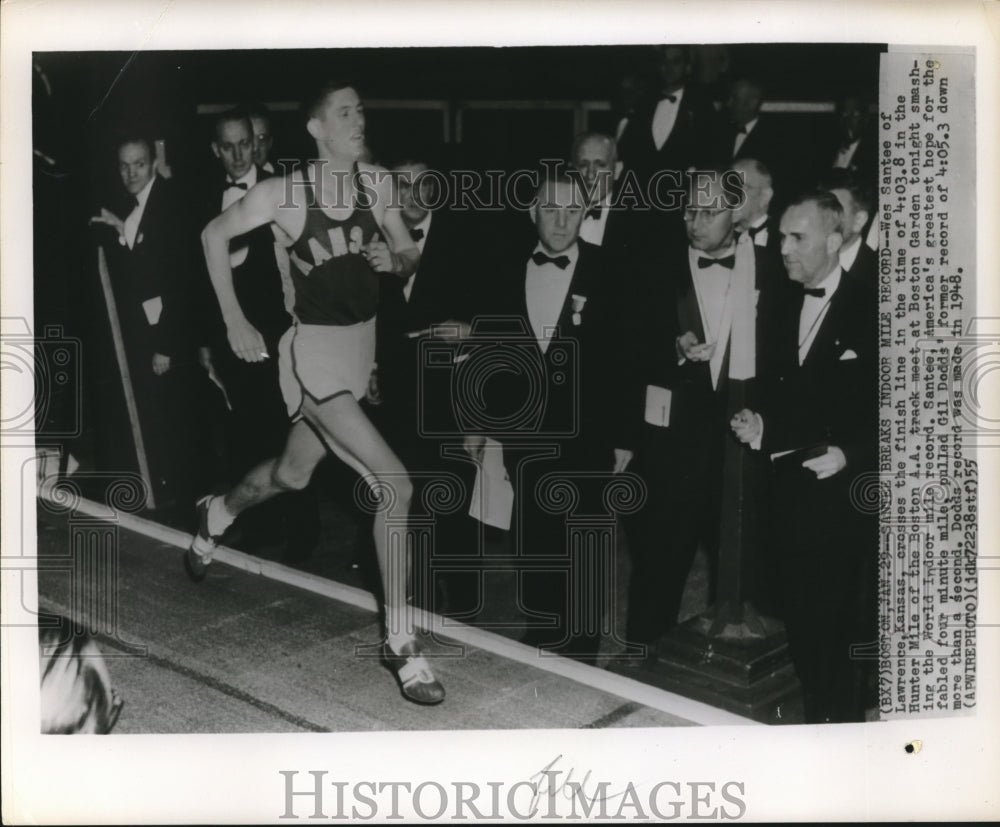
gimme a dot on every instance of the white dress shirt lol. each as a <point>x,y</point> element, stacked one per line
<point>711,287</point>
<point>134,218</point>
<point>846,155</point>
<point>545,289</point>
<point>760,238</point>
<point>849,253</point>
<point>742,136</point>
<point>592,229</point>
<point>665,117</point>
<point>233,194</point>
<point>425,225</point>
<point>814,310</point>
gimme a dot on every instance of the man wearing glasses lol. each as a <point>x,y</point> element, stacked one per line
<point>260,119</point>
<point>696,337</point>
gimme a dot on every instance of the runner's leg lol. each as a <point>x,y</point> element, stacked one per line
<point>353,438</point>
<point>289,472</point>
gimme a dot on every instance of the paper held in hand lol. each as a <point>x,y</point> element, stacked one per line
<point>657,406</point>
<point>492,494</point>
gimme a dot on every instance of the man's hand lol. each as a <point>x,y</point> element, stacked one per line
<point>205,360</point>
<point>830,463</point>
<point>379,257</point>
<point>474,444</point>
<point>110,219</point>
<point>161,364</point>
<point>622,458</point>
<point>689,348</point>
<point>747,426</point>
<point>246,341</point>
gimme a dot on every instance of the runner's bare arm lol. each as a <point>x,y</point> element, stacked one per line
<point>401,255</point>
<point>258,207</point>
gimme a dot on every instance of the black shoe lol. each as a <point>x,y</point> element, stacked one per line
<point>413,674</point>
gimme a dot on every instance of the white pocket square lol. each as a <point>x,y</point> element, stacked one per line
<point>848,354</point>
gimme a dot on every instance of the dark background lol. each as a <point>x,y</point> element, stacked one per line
<point>96,95</point>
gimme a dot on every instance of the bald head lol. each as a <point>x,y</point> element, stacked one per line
<point>595,155</point>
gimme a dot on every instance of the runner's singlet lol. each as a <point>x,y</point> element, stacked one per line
<point>333,283</point>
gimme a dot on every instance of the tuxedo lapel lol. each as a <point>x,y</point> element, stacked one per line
<point>149,212</point>
<point>786,334</point>
<point>830,328</point>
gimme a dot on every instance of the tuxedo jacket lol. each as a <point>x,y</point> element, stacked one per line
<point>160,265</point>
<point>689,142</point>
<point>865,264</point>
<point>864,162</point>
<point>622,232</point>
<point>440,291</point>
<point>831,398</point>
<point>773,245</point>
<point>766,143</point>
<point>575,385</point>
<point>663,305</point>
<point>256,281</point>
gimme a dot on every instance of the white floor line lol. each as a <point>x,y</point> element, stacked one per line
<point>591,676</point>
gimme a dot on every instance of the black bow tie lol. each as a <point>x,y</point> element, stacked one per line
<point>742,130</point>
<point>237,184</point>
<point>559,261</point>
<point>754,230</point>
<point>133,202</point>
<point>594,212</point>
<point>671,98</point>
<point>416,233</point>
<point>818,292</point>
<point>726,261</point>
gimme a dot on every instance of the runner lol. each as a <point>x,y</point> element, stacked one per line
<point>338,210</point>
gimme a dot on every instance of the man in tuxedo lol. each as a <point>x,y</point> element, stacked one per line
<point>414,411</point>
<point>263,140</point>
<point>855,144</point>
<point>747,133</point>
<point>605,224</point>
<point>257,421</point>
<point>857,202</point>
<point>151,256</point>
<point>753,217</point>
<point>695,333</point>
<point>669,133</point>
<point>557,419</point>
<point>816,421</point>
